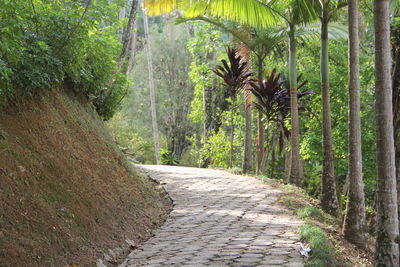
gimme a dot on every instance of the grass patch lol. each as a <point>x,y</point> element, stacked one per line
<point>322,254</point>
<point>310,212</point>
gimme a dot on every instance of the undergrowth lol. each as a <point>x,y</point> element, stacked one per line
<point>322,254</point>
<point>309,212</point>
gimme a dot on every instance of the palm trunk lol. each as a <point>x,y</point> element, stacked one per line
<point>294,112</point>
<point>329,200</point>
<point>248,147</point>
<point>387,248</point>
<point>260,138</point>
<point>396,122</point>
<point>151,85</point>
<point>354,227</point>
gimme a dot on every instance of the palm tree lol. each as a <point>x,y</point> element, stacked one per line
<point>295,13</point>
<point>151,85</point>
<point>329,197</point>
<point>387,231</point>
<point>354,227</point>
<point>395,33</point>
<point>248,142</point>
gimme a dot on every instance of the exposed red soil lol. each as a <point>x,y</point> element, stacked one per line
<point>67,193</point>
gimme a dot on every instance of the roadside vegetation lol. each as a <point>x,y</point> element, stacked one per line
<point>303,91</point>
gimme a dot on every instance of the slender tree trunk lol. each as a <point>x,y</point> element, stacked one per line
<point>273,156</point>
<point>329,200</point>
<point>207,119</point>
<point>260,142</point>
<point>260,137</point>
<point>207,111</point>
<point>288,162</point>
<point>387,248</point>
<point>294,112</point>
<point>354,227</point>
<point>127,36</point>
<point>232,136</point>
<point>133,44</point>
<point>264,150</point>
<point>248,146</point>
<point>151,85</point>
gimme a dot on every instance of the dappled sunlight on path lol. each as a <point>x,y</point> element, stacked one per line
<point>219,219</point>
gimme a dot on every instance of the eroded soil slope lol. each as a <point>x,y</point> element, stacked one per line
<point>66,192</point>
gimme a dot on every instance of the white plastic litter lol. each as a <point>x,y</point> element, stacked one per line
<point>305,250</point>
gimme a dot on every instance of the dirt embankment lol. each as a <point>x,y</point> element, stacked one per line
<point>66,192</point>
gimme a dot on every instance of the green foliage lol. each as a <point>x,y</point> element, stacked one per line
<point>218,144</point>
<point>217,148</point>
<point>322,254</point>
<point>129,137</point>
<point>168,158</point>
<point>206,47</point>
<point>309,212</point>
<point>48,44</point>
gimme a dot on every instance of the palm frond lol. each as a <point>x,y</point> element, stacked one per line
<point>250,12</point>
<point>304,11</point>
<point>395,7</point>
<point>159,7</point>
<point>336,31</point>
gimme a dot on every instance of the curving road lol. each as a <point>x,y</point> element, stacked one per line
<point>219,219</point>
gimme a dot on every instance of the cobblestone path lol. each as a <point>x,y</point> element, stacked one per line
<point>219,219</point>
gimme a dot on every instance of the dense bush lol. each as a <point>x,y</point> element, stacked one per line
<point>45,44</point>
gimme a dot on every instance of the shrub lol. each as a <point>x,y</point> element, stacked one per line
<point>46,44</point>
<point>168,158</point>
